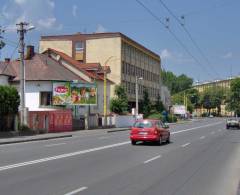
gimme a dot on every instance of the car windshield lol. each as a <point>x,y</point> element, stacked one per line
<point>143,124</point>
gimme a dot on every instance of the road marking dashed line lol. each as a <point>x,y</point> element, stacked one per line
<point>202,137</point>
<point>152,159</point>
<point>185,145</point>
<point>76,191</point>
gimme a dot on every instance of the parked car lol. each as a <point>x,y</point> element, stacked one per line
<point>233,122</point>
<point>149,130</point>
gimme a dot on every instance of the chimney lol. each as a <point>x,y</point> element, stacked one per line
<point>7,60</point>
<point>30,52</point>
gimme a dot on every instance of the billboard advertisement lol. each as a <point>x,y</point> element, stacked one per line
<point>66,93</point>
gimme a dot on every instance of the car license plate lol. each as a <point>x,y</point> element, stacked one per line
<point>142,133</point>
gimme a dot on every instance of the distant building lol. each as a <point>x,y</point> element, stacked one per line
<point>223,84</point>
<point>126,58</point>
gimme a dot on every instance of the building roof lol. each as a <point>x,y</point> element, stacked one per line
<point>42,68</point>
<point>214,81</point>
<point>90,69</point>
<point>7,70</point>
<point>80,36</point>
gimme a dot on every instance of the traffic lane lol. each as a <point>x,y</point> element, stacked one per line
<point>51,149</point>
<point>192,124</point>
<point>103,134</point>
<point>84,169</point>
<point>214,171</point>
<point>202,168</point>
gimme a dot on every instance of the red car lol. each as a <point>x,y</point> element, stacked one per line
<point>149,130</point>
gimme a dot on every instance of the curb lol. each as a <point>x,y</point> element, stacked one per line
<point>34,139</point>
<point>113,131</point>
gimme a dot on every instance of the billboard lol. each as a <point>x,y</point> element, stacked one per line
<point>67,93</point>
<point>179,109</point>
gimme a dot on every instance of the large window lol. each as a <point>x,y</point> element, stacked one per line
<point>79,46</point>
<point>45,98</point>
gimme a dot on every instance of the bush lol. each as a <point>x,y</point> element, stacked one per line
<point>172,118</point>
<point>155,115</point>
<point>205,114</point>
<point>25,130</point>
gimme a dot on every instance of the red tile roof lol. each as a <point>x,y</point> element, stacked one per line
<point>43,68</point>
<point>90,69</point>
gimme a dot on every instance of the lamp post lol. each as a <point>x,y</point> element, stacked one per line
<point>105,91</point>
<point>22,30</point>
<point>136,88</point>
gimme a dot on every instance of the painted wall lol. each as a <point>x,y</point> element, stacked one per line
<point>63,46</point>
<point>106,51</point>
<point>3,80</point>
<point>32,96</point>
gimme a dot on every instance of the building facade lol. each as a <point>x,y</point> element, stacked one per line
<point>126,58</point>
<point>222,84</point>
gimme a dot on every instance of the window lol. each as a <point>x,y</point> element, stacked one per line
<point>79,46</point>
<point>45,98</point>
<point>143,124</point>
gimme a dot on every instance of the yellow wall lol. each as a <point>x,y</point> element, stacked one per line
<point>60,45</point>
<point>106,50</point>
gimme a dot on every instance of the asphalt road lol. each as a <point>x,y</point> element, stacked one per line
<point>203,158</point>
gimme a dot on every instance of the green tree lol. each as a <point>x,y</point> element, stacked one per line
<point>145,104</point>
<point>158,106</point>
<point>9,103</point>
<point>233,102</point>
<point>212,98</point>
<point>119,104</point>
<point>175,83</point>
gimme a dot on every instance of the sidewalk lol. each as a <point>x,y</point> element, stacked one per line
<point>48,136</point>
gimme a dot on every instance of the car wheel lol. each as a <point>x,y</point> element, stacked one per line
<point>160,141</point>
<point>227,127</point>
<point>168,139</point>
<point>134,142</point>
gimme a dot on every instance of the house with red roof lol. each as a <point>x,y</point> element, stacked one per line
<point>42,72</point>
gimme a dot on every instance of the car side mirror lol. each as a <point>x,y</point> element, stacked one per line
<point>165,126</point>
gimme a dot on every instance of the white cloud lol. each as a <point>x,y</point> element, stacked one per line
<point>74,10</point>
<point>39,13</point>
<point>20,2</point>
<point>165,54</point>
<point>227,55</point>
<point>100,29</point>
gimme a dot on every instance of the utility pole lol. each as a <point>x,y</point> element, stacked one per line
<point>136,91</point>
<point>22,30</point>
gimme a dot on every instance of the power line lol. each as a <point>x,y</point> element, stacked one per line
<point>173,34</point>
<point>189,35</point>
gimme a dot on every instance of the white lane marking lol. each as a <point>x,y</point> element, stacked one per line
<point>152,159</point>
<point>76,191</point>
<point>213,132</point>
<point>51,145</point>
<point>61,156</point>
<point>185,145</point>
<point>176,132</point>
<point>202,137</point>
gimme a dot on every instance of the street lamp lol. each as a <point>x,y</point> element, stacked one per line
<point>105,90</point>
<point>136,88</point>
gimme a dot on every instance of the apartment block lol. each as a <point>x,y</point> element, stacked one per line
<point>125,57</point>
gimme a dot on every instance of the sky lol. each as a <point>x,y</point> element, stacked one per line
<point>205,45</point>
